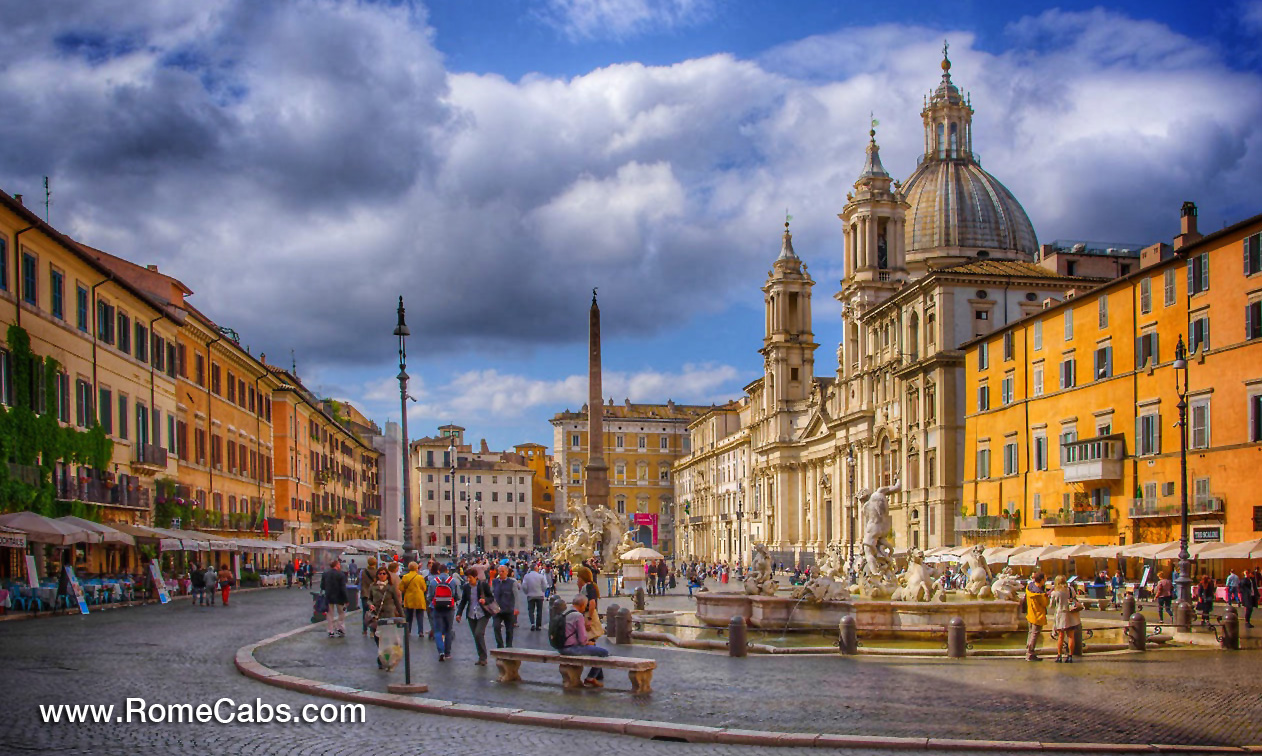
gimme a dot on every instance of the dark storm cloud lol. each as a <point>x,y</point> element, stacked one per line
<point>300,165</point>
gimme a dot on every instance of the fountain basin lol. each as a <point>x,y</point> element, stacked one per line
<point>873,618</point>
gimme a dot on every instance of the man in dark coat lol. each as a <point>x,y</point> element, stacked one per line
<point>333,585</point>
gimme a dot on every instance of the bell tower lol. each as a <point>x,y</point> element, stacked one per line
<point>874,224</point>
<point>788,347</point>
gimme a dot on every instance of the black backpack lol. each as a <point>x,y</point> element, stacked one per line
<point>556,629</point>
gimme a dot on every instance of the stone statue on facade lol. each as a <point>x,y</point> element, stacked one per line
<point>973,564</point>
<point>877,580</point>
<point>760,581</point>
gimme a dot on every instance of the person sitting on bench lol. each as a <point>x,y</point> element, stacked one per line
<point>576,643</point>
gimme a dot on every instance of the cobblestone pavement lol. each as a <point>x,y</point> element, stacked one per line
<point>1203,697</point>
<point>183,654</point>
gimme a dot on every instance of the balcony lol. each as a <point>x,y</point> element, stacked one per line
<point>725,517</point>
<point>986,524</point>
<point>1169,507</point>
<point>149,459</point>
<point>1080,517</point>
<point>95,487</point>
<point>696,519</point>
<point>1093,459</point>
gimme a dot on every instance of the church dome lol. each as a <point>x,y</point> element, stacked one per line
<point>956,204</point>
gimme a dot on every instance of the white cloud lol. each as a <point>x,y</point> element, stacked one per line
<point>621,19</point>
<point>490,395</point>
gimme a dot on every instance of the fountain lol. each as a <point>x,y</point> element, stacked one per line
<point>882,603</point>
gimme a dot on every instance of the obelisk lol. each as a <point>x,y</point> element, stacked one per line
<point>596,488</point>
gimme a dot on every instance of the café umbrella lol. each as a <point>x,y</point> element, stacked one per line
<point>108,534</point>
<point>41,529</point>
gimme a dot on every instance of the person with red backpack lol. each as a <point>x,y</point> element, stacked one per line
<point>441,597</point>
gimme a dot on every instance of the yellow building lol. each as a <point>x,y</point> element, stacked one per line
<point>543,489</point>
<point>112,343</point>
<point>1072,412</point>
<point>642,443</point>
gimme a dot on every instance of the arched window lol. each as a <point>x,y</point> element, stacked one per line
<point>955,142</point>
<point>941,143</point>
<point>931,329</point>
<point>913,337</point>
<point>620,471</point>
<point>622,504</point>
<point>887,463</point>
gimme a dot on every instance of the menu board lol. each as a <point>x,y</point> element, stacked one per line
<point>76,590</point>
<point>158,583</point>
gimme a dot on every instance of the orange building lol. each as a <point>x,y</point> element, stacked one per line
<point>1072,413</point>
<point>543,489</point>
<point>327,477</point>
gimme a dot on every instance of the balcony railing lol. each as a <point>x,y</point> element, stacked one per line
<point>95,487</point>
<point>151,455</point>
<point>1211,504</point>
<point>1087,517</point>
<point>985,523</point>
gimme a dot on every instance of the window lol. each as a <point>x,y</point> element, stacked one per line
<point>981,314</point>
<point>84,417</point>
<point>931,405</point>
<point>1010,458</point>
<point>495,496</point>
<point>1168,287</point>
<point>1103,363</point>
<point>107,418</point>
<point>983,398</point>
<point>1036,507</point>
<point>644,443</point>
<point>983,355</point>
<point>105,322</point>
<point>576,472</point>
<point>215,380</point>
<point>124,332</point>
<point>57,291</point>
<point>1038,335</point>
<point>1253,320</point>
<point>4,263</point>
<point>1148,434</point>
<point>1069,323</point>
<point>1040,452</point>
<point>1005,389</point>
<point>30,286</point>
<point>1146,350</point>
<point>1200,424</point>
<point>1103,305</point>
<point>618,441</point>
<point>1067,436</point>
<point>1145,296</point>
<point>622,505</point>
<point>1068,377</point>
<point>1037,380</point>
<point>81,307</point>
<point>232,387</point>
<point>1255,418</point>
<point>142,342</point>
<point>199,370</point>
<point>521,523</point>
<point>63,397</point>
<point>1198,336</point>
<point>1007,347</point>
<point>573,440</point>
<point>1253,254</point>
<point>122,416</point>
<point>1198,274</point>
<point>663,443</point>
<point>983,464</point>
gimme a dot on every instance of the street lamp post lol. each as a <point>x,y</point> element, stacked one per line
<point>468,508</point>
<point>401,330</point>
<point>481,542</point>
<point>1183,615</point>
<point>451,453</point>
<point>740,530</point>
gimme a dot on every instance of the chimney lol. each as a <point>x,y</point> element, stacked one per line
<point>1187,226</point>
<point>18,197</point>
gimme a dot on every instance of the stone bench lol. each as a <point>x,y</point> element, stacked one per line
<point>509,660</point>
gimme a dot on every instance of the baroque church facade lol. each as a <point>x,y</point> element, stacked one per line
<point>930,263</point>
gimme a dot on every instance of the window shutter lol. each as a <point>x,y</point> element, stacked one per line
<point>1248,322</point>
<point>1248,242</point>
<point>1108,361</point>
<point>1139,353</point>
<point>1156,433</point>
<point>1155,352</point>
<point>1191,277</point>
<point>1204,272</point>
<point>1139,436</point>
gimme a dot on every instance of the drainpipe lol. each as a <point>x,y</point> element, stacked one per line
<point>17,272</point>
<point>95,319</point>
<point>153,402</point>
<point>210,428</point>
<point>258,438</point>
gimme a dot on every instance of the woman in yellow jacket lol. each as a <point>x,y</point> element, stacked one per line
<point>1035,613</point>
<point>412,586</point>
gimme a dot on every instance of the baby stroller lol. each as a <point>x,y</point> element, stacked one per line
<point>319,607</point>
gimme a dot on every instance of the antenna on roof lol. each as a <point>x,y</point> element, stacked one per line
<point>48,198</point>
<point>293,363</point>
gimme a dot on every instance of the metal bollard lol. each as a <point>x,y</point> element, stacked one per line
<point>623,628</point>
<point>611,620</point>
<point>1128,607</point>
<point>736,637</point>
<point>639,599</point>
<point>1231,629</point>
<point>957,644</point>
<point>1078,649</point>
<point>848,639</point>
<point>1184,613</point>
<point>1137,632</point>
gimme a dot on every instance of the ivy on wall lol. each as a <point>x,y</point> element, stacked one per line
<point>31,442</point>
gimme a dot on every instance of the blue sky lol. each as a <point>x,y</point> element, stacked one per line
<point>301,164</point>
